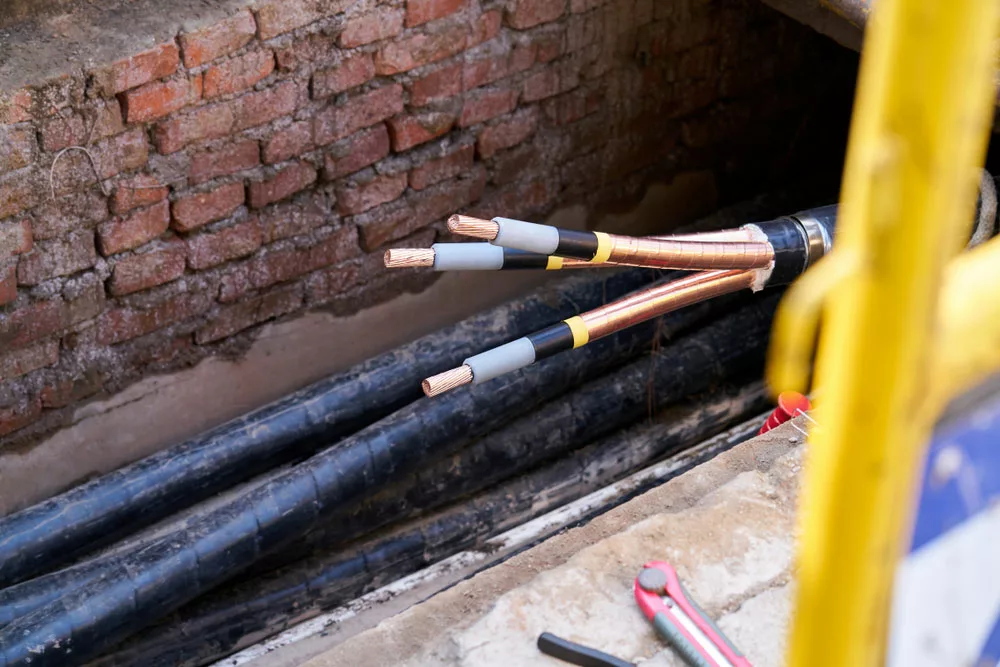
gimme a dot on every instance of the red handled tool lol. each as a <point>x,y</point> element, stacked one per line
<point>681,622</point>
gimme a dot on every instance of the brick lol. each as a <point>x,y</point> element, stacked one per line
<point>131,231</point>
<point>282,185</point>
<point>223,161</point>
<point>283,16</point>
<point>357,113</point>
<point>287,220</point>
<point>124,152</point>
<point>412,130</point>
<point>15,107</point>
<point>245,315</point>
<point>87,305</point>
<point>350,73</point>
<point>520,200</point>
<point>8,284</point>
<point>103,119</point>
<point>217,40</point>
<point>262,107</point>
<point>529,13</point>
<point>486,27</point>
<point>512,165</point>
<point>443,168</point>
<point>480,72</point>
<point>379,226</point>
<point>155,100</point>
<point>289,142</point>
<point>507,133</point>
<point>487,105</point>
<point>548,47</point>
<point>200,209</point>
<point>141,272</point>
<point>419,12</point>
<point>17,146</point>
<point>284,265</point>
<point>372,26</point>
<point>327,284</point>
<point>573,106</point>
<point>31,323</point>
<point>356,152</point>
<point>20,190</point>
<point>15,239</point>
<point>353,199</point>
<point>156,63</point>
<point>209,122</point>
<point>52,259</point>
<point>71,213</point>
<point>23,361</point>
<point>542,84</point>
<point>437,85</point>
<point>14,418</point>
<point>522,57</point>
<point>71,390</point>
<point>139,191</point>
<point>239,73</point>
<point>208,250</point>
<point>420,49</point>
<point>315,47</point>
<point>122,324</point>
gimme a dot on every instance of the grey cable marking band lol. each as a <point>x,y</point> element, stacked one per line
<point>529,236</point>
<point>501,360</point>
<point>467,257</point>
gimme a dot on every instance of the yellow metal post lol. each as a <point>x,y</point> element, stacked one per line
<point>919,131</point>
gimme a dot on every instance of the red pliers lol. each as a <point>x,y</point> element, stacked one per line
<point>681,622</point>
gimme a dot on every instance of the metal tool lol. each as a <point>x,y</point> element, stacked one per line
<point>681,622</point>
<point>577,654</point>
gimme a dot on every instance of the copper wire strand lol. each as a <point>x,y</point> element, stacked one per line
<point>466,225</point>
<point>450,379</point>
<point>397,258</point>
<point>661,299</point>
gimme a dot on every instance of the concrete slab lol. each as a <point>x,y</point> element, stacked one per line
<point>727,526</point>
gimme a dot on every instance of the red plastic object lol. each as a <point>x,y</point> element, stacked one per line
<point>790,404</point>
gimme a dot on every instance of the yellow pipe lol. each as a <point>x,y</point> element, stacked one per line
<point>920,127</point>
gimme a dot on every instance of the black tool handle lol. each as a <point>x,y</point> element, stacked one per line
<point>566,650</point>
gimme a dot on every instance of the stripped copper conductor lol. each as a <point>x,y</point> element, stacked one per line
<point>398,258</point>
<point>450,379</point>
<point>466,225</point>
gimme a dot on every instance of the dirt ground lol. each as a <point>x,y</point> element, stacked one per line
<point>727,526</point>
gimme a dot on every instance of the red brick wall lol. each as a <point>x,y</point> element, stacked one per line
<point>257,167</point>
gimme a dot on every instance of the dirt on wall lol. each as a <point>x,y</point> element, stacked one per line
<point>250,162</point>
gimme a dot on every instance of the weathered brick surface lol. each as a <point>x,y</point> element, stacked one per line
<point>356,152</point>
<point>238,73</point>
<point>382,23</point>
<point>412,130</point>
<point>359,197</point>
<point>350,73</point>
<point>357,113</point>
<point>223,161</point>
<point>199,209</point>
<point>218,40</point>
<point>146,270</point>
<point>411,111</point>
<point>155,100</point>
<point>133,230</point>
<point>289,142</point>
<point>51,259</point>
<point>156,63</point>
<point>284,184</point>
<point>206,250</point>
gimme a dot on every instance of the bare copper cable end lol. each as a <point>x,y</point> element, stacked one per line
<point>398,258</point>
<point>466,225</point>
<point>442,382</point>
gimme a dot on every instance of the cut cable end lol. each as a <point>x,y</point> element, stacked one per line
<point>442,382</point>
<point>399,258</point>
<point>466,225</point>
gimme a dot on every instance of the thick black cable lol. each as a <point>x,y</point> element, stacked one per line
<point>52,533</point>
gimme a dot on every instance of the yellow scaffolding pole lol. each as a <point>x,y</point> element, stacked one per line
<point>919,131</point>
